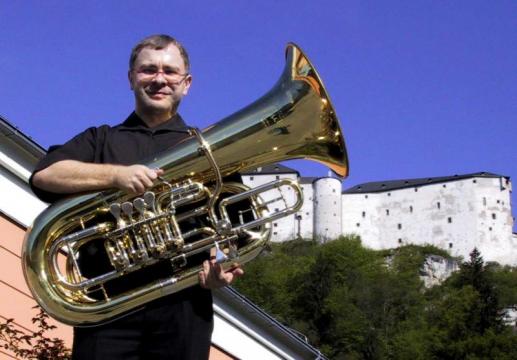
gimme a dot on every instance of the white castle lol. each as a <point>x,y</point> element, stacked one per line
<point>456,213</point>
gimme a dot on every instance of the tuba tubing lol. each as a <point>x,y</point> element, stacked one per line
<point>294,120</point>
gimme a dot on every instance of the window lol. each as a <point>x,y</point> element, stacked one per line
<point>335,215</point>
<point>444,185</point>
<point>333,190</point>
<point>498,201</point>
<point>399,226</point>
<point>484,201</point>
<point>251,178</point>
<point>278,177</point>
<point>438,205</point>
<point>387,212</point>
<point>389,194</point>
<point>449,220</point>
<point>490,228</point>
<point>416,189</point>
<point>450,245</point>
<point>493,216</point>
<point>275,224</point>
<point>366,196</point>
<point>307,213</point>
<point>364,214</point>
<point>411,208</point>
<point>400,241</point>
<point>274,233</point>
<point>474,181</point>
<point>358,224</point>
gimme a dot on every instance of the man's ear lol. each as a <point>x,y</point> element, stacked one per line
<point>188,82</point>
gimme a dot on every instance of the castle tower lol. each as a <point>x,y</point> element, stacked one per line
<point>327,208</point>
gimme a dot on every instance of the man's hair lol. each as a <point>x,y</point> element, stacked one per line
<point>158,42</point>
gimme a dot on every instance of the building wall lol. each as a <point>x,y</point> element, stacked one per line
<point>457,216</point>
<point>304,217</point>
<point>494,220</point>
<point>16,301</point>
<point>359,216</point>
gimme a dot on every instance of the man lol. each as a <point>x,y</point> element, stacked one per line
<point>178,326</point>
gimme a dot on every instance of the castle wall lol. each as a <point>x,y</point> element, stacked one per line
<point>304,217</point>
<point>359,217</point>
<point>456,216</point>
<point>494,220</point>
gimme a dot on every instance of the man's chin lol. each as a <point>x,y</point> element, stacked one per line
<point>158,106</point>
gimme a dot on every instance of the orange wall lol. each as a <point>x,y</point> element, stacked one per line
<point>218,354</point>
<point>16,300</point>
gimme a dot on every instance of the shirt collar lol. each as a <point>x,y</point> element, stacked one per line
<point>174,124</point>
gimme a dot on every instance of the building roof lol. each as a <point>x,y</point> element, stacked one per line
<point>271,169</point>
<point>256,317</point>
<point>381,186</point>
<point>308,179</point>
<point>10,131</point>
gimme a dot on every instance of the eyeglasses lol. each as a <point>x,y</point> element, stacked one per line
<point>171,75</point>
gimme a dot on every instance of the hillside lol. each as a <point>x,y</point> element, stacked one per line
<point>357,303</point>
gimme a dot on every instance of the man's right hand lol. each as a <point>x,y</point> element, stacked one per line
<point>135,179</point>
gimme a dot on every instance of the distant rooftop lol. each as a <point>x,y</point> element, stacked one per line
<point>308,179</point>
<point>271,169</point>
<point>380,186</point>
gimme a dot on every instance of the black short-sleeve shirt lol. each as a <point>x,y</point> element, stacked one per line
<point>131,142</point>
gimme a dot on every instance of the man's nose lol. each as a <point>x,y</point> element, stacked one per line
<point>159,77</point>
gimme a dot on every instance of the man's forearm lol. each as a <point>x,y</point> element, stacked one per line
<point>71,176</point>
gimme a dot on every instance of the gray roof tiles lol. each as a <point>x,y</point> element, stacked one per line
<point>381,186</point>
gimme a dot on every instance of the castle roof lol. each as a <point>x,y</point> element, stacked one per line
<point>381,186</point>
<point>308,179</point>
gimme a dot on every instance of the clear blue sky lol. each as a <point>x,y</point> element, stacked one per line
<point>422,88</point>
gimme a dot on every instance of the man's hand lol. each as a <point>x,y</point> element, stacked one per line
<point>135,179</point>
<point>213,276</point>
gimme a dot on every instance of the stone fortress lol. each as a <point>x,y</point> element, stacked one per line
<point>455,213</point>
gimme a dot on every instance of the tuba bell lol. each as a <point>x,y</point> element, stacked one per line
<point>191,211</point>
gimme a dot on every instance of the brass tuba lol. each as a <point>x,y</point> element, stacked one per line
<point>189,212</point>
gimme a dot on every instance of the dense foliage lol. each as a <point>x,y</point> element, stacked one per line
<point>357,303</point>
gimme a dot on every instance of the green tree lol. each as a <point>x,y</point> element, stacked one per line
<point>486,312</point>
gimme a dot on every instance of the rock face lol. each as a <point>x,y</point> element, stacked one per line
<point>436,269</point>
<point>510,316</point>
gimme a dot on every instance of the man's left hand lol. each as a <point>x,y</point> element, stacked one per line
<point>213,276</point>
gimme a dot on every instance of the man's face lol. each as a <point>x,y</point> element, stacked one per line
<point>159,80</point>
